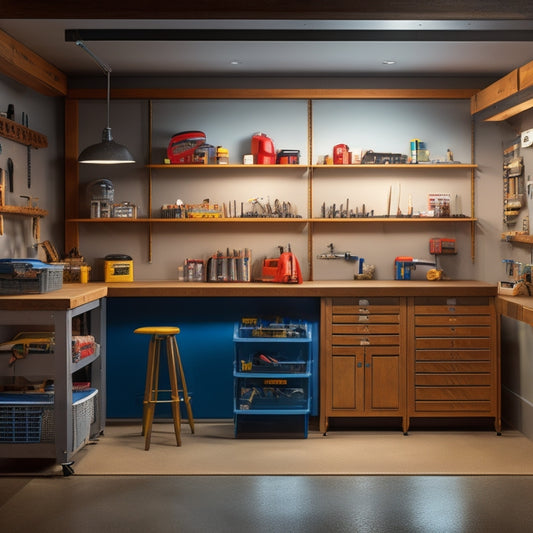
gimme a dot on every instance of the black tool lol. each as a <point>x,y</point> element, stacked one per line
<point>10,172</point>
<point>28,152</point>
<point>11,112</point>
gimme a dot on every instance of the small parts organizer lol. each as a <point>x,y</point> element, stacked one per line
<point>272,375</point>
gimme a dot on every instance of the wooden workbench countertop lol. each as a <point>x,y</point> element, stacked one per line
<point>517,307</point>
<point>317,289</point>
<point>72,295</point>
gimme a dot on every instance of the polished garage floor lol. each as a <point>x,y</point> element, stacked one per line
<point>257,504</point>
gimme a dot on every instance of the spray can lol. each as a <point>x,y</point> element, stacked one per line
<point>415,144</point>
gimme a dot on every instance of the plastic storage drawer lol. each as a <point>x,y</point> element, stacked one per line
<point>26,418</point>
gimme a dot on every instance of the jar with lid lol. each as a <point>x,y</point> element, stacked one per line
<point>101,194</point>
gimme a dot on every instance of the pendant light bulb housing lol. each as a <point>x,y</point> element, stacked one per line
<point>108,152</point>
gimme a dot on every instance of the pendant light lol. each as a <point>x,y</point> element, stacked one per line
<point>107,152</point>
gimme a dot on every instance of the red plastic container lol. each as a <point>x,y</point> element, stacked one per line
<point>263,150</point>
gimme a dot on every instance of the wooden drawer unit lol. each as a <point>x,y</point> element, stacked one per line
<point>453,358</point>
<point>363,358</point>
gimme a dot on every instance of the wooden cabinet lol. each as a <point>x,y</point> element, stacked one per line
<point>363,358</point>
<point>453,359</point>
<point>410,357</point>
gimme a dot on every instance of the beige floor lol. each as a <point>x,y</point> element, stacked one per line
<point>213,450</point>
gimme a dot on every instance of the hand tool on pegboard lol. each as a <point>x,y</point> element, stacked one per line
<point>25,122</point>
<point>10,173</point>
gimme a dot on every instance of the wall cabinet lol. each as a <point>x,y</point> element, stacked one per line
<point>315,133</point>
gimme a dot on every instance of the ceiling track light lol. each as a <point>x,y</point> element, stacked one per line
<point>107,152</point>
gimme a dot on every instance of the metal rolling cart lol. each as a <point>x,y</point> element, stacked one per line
<point>55,312</point>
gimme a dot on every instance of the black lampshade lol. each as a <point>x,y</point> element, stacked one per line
<point>108,152</point>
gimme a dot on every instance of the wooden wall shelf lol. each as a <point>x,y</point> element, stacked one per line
<point>273,220</point>
<point>20,134</point>
<point>522,239</point>
<point>24,211</point>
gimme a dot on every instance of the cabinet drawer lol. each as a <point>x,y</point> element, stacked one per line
<point>454,301</point>
<point>453,393</point>
<point>452,379</point>
<point>449,407</point>
<point>347,350</point>
<point>453,366</point>
<point>365,329</point>
<point>460,320</point>
<point>366,319</point>
<point>452,310</point>
<point>365,340</point>
<point>352,303</point>
<point>273,393</point>
<point>453,355</point>
<point>453,331</point>
<point>451,343</point>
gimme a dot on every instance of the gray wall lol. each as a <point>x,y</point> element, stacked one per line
<point>47,170</point>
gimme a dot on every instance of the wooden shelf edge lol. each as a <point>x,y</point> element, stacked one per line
<point>446,166</point>
<point>391,220</point>
<point>19,133</point>
<point>227,220</point>
<point>404,166</point>
<point>522,239</point>
<point>24,211</point>
<point>201,166</point>
<point>272,220</point>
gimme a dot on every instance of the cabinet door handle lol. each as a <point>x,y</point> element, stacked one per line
<point>367,365</point>
<point>359,365</point>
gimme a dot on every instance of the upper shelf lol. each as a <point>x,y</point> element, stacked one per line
<point>202,166</point>
<point>19,133</point>
<point>328,167</point>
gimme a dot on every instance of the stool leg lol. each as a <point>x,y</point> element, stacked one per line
<point>153,376</point>
<point>174,393</point>
<point>183,385</point>
<point>149,380</point>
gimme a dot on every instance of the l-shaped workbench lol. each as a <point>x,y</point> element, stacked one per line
<point>396,349</point>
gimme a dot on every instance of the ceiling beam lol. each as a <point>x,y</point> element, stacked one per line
<point>299,35</point>
<point>20,63</point>
<point>271,9</point>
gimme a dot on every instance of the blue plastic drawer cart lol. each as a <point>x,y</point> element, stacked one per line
<point>29,417</point>
<point>272,379</point>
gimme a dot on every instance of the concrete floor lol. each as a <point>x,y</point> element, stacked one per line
<point>260,504</point>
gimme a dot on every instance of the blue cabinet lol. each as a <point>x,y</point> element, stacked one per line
<point>272,378</point>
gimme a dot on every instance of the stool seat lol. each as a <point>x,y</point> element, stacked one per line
<point>158,330</point>
<point>165,335</point>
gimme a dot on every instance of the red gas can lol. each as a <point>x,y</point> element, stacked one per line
<point>263,150</point>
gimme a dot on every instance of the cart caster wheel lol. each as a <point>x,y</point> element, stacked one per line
<point>67,469</point>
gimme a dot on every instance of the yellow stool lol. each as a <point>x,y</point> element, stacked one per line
<point>177,381</point>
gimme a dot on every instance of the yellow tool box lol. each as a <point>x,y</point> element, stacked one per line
<point>118,267</point>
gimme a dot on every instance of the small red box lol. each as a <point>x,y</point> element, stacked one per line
<point>441,246</point>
